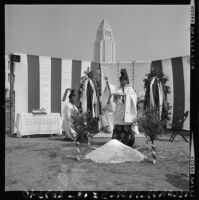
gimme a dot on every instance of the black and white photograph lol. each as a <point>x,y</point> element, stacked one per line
<point>97,97</point>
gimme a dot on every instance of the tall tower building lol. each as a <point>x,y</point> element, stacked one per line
<point>104,47</point>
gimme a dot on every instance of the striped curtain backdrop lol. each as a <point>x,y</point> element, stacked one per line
<point>178,72</point>
<point>41,81</point>
<point>110,70</point>
<point>136,73</point>
<point>140,70</point>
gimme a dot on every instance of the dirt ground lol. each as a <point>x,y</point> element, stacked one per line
<point>48,163</point>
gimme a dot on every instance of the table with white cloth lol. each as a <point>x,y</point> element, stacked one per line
<point>33,124</point>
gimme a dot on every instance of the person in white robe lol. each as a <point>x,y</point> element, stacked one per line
<point>123,103</point>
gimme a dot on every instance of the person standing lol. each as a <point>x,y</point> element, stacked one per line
<point>123,103</point>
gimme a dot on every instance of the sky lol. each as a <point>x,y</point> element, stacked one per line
<point>141,32</point>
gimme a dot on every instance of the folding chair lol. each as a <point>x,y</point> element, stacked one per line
<point>177,127</point>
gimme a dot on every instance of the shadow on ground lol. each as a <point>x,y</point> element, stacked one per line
<point>12,135</point>
<point>58,138</point>
<point>178,181</point>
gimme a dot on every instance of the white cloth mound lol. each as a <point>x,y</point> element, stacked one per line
<point>115,152</point>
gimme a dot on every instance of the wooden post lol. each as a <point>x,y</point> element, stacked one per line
<point>12,58</point>
<point>89,139</point>
<point>78,150</point>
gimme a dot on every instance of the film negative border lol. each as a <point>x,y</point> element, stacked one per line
<point>102,195</point>
<point>194,117</point>
<point>193,139</point>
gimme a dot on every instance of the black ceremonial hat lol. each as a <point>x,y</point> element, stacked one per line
<point>124,75</point>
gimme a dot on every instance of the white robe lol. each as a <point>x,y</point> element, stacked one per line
<point>123,113</point>
<point>66,124</point>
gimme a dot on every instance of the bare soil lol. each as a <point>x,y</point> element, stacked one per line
<point>49,163</point>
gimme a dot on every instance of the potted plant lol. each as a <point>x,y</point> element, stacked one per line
<point>152,126</point>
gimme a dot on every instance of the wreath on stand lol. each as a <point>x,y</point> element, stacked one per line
<point>95,77</point>
<point>151,121</point>
<point>163,79</point>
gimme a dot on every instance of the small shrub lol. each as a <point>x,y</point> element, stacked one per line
<point>82,124</point>
<point>151,123</point>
